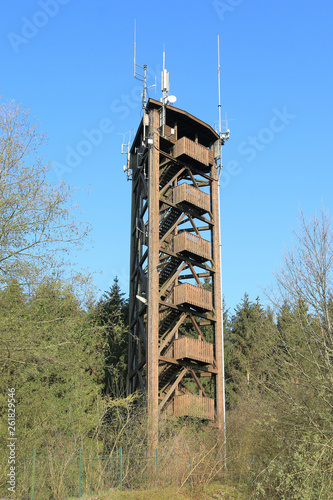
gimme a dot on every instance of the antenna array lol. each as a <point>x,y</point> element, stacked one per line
<point>166,98</point>
<point>125,150</point>
<point>141,77</point>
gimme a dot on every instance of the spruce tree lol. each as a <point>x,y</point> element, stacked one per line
<point>111,314</point>
<point>251,332</point>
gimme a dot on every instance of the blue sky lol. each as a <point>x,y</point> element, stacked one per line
<point>71,63</point>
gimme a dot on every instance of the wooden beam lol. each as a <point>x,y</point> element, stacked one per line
<point>192,178</point>
<point>183,164</point>
<point>195,276</point>
<point>198,382</point>
<point>172,388</point>
<point>142,385</point>
<point>174,277</point>
<point>201,228</point>
<point>197,216</point>
<point>138,368</point>
<point>143,332</point>
<point>166,187</point>
<point>217,300</point>
<point>170,334</point>
<point>190,261</point>
<point>153,282</point>
<point>195,324</point>
<point>131,355</point>
<point>172,361</point>
<point>171,228</point>
<point>201,314</point>
<point>194,226</point>
<point>141,311</point>
<point>189,276</point>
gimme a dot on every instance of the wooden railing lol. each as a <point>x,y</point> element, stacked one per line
<point>190,194</point>
<point>191,243</point>
<point>193,295</point>
<point>194,406</point>
<point>187,348</point>
<point>186,147</point>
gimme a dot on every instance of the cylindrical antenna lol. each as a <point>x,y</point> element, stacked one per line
<point>144,93</point>
<point>219,82</point>
<point>134,43</point>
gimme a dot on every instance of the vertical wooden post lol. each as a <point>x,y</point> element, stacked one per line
<point>153,280</point>
<point>132,299</point>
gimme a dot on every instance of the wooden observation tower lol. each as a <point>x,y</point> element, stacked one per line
<point>175,334</point>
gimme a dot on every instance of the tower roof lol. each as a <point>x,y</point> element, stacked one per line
<point>187,124</point>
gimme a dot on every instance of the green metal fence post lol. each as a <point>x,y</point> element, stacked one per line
<point>121,468</point>
<point>190,472</point>
<point>33,475</point>
<point>157,467</point>
<point>80,469</point>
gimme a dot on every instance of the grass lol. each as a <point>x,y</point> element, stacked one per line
<point>213,491</point>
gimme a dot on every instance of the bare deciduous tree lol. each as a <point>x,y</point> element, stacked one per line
<point>307,278</point>
<point>299,391</point>
<point>36,217</point>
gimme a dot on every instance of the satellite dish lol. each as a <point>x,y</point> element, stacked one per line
<point>172,98</point>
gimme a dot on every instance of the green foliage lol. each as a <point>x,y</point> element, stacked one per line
<point>249,336</point>
<point>281,429</point>
<point>48,354</point>
<point>69,365</point>
<point>111,315</point>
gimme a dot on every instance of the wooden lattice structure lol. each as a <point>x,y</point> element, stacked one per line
<point>175,291</point>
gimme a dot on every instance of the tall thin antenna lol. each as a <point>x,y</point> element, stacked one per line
<point>134,43</point>
<point>219,82</point>
<point>224,136</point>
<point>139,76</point>
<point>166,98</point>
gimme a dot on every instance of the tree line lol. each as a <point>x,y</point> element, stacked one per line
<point>66,353</point>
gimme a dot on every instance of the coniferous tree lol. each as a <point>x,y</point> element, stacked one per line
<point>251,332</point>
<point>48,354</point>
<point>111,314</point>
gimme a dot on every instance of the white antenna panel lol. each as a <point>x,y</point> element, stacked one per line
<point>165,81</point>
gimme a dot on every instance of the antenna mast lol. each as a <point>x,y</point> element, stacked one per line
<point>166,98</point>
<point>139,76</point>
<point>125,150</point>
<point>224,136</point>
<point>165,92</point>
<point>219,82</point>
